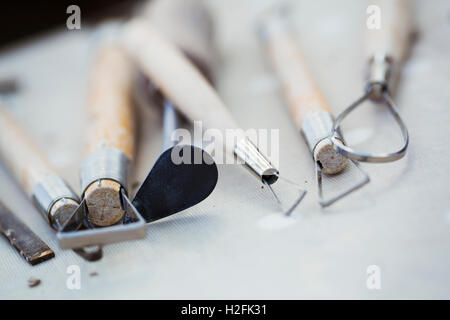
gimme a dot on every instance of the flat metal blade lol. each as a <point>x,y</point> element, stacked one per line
<point>131,228</point>
<point>173,186</point>
<point>23,239</point>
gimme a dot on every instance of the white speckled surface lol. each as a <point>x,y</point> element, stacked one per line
<point>233,245</point>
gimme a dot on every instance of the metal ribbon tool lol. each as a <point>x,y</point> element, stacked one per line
<point>308,107</point>
<point>168,188</point>
<point>179,80</point>
<point>51,195</point>
<point>387,47</point>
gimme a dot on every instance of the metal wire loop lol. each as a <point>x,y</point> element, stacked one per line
<point>364,156</point>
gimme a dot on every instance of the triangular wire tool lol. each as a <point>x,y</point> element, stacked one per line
<point>309,109</point>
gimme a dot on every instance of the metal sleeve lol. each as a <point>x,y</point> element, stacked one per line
<point>316,127</point>
<point>105,163</point>
<point>380,74</point>
<point>49,190</point>
<point>248,152</point>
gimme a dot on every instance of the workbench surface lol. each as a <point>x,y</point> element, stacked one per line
<point>236,244</point>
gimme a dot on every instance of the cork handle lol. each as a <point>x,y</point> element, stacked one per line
<point>177,78</point>
<point>112,126</point>
<point>299,88</point>
<point>22,157</point>
<point>393,36</point>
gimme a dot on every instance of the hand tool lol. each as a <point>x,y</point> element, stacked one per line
<point>387,48</point>
<point>182,83</point>
<point>188,24</point>
<point>52,196</point>
<point>111,143</point>
<point>169,187</point>
<point>26,242</point>
<point>308,107</point>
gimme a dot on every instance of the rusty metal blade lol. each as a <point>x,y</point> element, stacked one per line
<point>26,242</point>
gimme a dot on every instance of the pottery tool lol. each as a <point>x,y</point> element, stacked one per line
<point>26,242</point>
<point>111,140</point>
<point>51,195</point>
<point>387,48</point>
<point>188,24</point>
<point>308,106</point>
<point>169,187</point>
<point>181,82</point>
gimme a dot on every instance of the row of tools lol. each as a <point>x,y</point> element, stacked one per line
<point>163,55</point>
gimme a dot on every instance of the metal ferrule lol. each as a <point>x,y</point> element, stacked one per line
<point>248,152</point>
<point>170,124</point>
<point>380,74</point>
<point>105,163</point>
<point>48,191</point>
<point>316,127</point>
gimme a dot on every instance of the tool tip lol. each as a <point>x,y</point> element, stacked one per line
<point>41,257</point>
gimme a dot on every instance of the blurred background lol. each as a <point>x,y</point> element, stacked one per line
<point>235,244</point>
<point>22,19</point>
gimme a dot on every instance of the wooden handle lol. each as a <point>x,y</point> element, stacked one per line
<point>21,156</point>
<point>111,109</point>
<point>177,78</point>
<point>299,88</point>
<point>185,23</point>
<point>394,35</point>
<point>110,102</point>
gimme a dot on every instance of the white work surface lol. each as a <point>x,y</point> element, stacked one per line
<point>235,244</point>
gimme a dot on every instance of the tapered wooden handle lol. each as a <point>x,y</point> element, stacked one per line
<point>389,28</point>
<point>112,126</point>
<point>186,23</point>
<point>110,102</point>
<point>21,155</point>
<point>177,78</point>
<point>299,88</point>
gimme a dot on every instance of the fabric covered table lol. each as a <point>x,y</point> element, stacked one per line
<point>236,244</point>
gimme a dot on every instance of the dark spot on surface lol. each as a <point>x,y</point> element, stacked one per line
<point>8,86</point>
<point>33,282</point>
